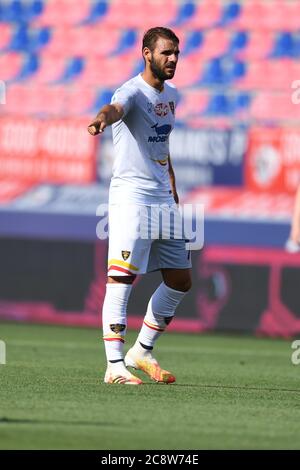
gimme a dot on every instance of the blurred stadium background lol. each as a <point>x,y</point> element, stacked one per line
<point>235,149</point>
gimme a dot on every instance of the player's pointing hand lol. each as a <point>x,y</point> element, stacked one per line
<point>97,126</point>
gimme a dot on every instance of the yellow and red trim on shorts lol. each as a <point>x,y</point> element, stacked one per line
<point>122,266</point>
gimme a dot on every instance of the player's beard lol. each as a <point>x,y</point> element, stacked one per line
<point>158,72</point>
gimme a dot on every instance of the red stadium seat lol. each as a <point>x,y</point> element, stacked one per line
<point>90,40</point>
<point>192,102</point>
<point>188,72</point>
<point>63,12</point>
<point>79,100</point>
<point>216,42</point>
<point>10,65</point>
<point>207,14</point>
<point>106,72</point>
<point>274,75</point>
<point>5,35</point>
<point>51,68</point>
<point>274,107</point>
<point>250,16</point>
<point>139,14</point>
<point>259,46</point>
<point>279,15</point>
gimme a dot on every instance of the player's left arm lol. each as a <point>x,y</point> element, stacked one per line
<point>173,181</point>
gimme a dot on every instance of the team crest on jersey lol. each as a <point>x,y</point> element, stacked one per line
<point>172,106</point>
<point>149,107</point>
<point>125,254</point>
<point>161,109</point>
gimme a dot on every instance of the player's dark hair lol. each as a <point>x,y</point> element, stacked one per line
<point>152,35</point>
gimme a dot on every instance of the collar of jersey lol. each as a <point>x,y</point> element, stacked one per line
<point>149,86</point>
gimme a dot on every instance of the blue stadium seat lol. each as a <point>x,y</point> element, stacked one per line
<point>12,11</point>
<point>238,70</point>
<point>40,39</point>
<point>127,41</point>
<point>104,97</point>
<point>98,10</point>
<point>230,13</point>
<point>73,69</point>
<point>21,39</point>
<point>242,101</point>
<point>219,105</point>
<point>29,68</point>
<point>194,41</point>
<point>239,41</point>
<point>33,9</point>
<point>214,74</point>
<point>186,12</point>
<point>285,45</point>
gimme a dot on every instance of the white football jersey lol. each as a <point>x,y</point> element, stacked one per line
<point>141,141</point>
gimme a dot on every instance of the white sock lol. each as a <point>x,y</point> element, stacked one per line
<point>114,319</point>
<point>160,311</point>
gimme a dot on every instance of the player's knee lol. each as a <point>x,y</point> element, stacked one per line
<point>186,285</point>
<point>182,285</point>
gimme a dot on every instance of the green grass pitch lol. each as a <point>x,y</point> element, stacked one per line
<point>232,392</point>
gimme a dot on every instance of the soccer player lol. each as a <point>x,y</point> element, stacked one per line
<point>142,113</point>
<point>293,243</point>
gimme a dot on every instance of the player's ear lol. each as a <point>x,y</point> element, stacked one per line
<point>146,54</point>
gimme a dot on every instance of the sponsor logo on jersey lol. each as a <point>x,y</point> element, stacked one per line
<point>161,109</point>
<point>172,106</point>
<point>125,254</point>
<point>149,107</point>
<point>162,133</point>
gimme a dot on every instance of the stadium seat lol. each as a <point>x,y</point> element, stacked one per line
<point>216,43</point>
<point>214,73</point>
<point>11,64</point>
<point>97,11</point>
<point>39,38</point>
<point>207,14</point>
<point>63,12</point>
<point>219,104</point>
<point>75,67</point>
<point>230,13</point>
<point>127,41</point>
<point>51,69</point>
<point>103,97</point>
<point>285,45</point>
<point>188,72</point>
<point>6,31</point>
<point>272,107</point>
<point>238,42</point>
<point>259,46</point>
<point>106,71</point>
<point>186,11</point>
<point>192,43</point>
<point>192,102</point>
<point>79,100</point>
<point>20,39</point>
<point>29,68</point>
<point>250,16</point>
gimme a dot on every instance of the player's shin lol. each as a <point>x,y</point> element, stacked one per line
<point>160,312</point>
<point>114,320</point>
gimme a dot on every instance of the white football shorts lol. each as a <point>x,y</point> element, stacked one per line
<point>146,238</point>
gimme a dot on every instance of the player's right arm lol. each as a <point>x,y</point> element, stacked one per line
<point>108,114</point>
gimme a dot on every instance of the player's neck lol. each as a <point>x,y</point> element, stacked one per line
<point>152,81</point>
